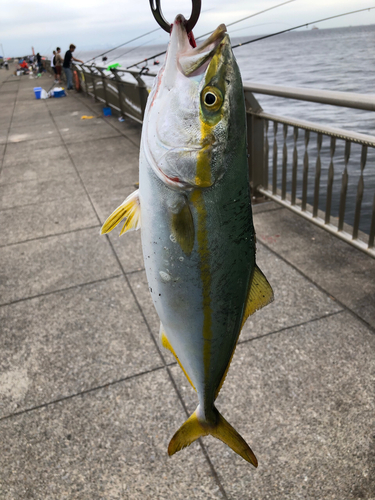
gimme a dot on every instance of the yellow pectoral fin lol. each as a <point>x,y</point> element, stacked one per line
<point>260,294</point>
<point>131,210</point>
<point>183,228</point>
<point>165,343</point>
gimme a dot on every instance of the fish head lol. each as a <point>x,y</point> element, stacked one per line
<point>190,110</point>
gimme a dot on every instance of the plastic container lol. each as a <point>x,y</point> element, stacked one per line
<point>107,111</point>
<point>37,92</point>
<point>59,93</point>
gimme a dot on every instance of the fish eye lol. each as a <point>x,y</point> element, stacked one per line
<point>212,98</point>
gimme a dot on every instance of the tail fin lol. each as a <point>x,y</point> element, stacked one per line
<point>194,428</point>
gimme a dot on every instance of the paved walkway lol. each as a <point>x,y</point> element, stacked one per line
<point>88,399</point>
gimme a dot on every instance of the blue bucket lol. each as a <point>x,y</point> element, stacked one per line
<point>59,93</point>
<point>37,92</point>
<point>107,111</point>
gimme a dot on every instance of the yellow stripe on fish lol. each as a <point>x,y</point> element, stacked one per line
<point>205,271</point>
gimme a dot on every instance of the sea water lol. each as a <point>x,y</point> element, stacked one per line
<point>340,59</point>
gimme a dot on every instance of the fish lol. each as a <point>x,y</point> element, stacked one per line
<point>193,206</point>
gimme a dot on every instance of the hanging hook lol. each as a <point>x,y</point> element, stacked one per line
<point>163,23</point>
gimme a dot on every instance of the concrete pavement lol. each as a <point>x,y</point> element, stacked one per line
<point>88,398</point>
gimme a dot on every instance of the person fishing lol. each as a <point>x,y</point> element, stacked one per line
<point>58,64</point>
<point>67,65</point>
<point>39,62</point>
<point>53,64</point>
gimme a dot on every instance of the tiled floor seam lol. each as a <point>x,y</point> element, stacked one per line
<point>10,124</point>
<point>109,123</point>
<point>86,391</point>
<point>213,471</point>
<point>140,309</point>
<point>74,165</point>
<point>36,203</point>
<point>204,451</point>
<point>289,327</point>
<point>46,294</point>
<point>319,287</point>
<point>38,238</point>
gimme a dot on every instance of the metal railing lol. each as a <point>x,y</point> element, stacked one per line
<point>322,178</point>
<point>129,99</point>
<point>328,190</point>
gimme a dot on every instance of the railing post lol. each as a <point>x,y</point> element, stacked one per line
<point>255,142</point>
<point>118,80</point>
<point>84,77</point>
<point>104,86</point>
<point>93,84</point>
<point>143,93</point>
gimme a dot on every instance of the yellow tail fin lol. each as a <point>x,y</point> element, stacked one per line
<point>194,428</point>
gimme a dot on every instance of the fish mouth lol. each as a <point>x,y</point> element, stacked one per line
<point>194,61</point>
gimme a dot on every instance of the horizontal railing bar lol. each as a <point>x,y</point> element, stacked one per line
<point>346,99</point>
<point>343,235</point>
<point>369,140</point>
<point>119,70</point>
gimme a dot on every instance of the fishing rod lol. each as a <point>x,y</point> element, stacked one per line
<point>256,25</point>
<point>231,24</point>
<point>300,26</point>
<point>248,17</point>
<point>131,50</point>
<point>121,45</point>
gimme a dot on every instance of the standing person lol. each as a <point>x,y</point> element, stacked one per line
<point>53,61</point>
<point>67,63</point>
<point>39,61</point>
<point>58,64</point>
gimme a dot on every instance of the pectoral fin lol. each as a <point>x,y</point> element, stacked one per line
<point>183,228</point>
<point>131,210</point>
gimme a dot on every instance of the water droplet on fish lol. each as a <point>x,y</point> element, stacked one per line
<point>172,238</point>
<point>181,259</point>
<point>165,276</point>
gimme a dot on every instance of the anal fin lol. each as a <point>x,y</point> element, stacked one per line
<point>165,343</point>
<point>259,295</point>
<point>129,209</point>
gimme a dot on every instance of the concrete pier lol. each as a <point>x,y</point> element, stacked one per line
<point>89,399</point>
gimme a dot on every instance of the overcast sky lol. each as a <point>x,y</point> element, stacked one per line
<point>99,24</point>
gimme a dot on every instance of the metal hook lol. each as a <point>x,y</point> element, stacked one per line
<point>163,23</point>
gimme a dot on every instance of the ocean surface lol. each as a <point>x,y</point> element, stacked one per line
<point>340,59</point>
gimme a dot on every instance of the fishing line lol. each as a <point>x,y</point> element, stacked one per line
<point>131,50</point>
<point>255,26</point>
<point>137,38</point>
<point>248,17</point>
<point>301,26</point>
<point>121,45</point>
<point>201,36</point>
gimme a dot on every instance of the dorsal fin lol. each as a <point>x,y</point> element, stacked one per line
<point>131,209</point>
<point>259,295</point>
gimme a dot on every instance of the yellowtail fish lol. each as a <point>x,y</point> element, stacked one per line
<point>194,206</point>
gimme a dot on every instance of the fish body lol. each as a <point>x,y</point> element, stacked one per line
<point>194,206</point>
